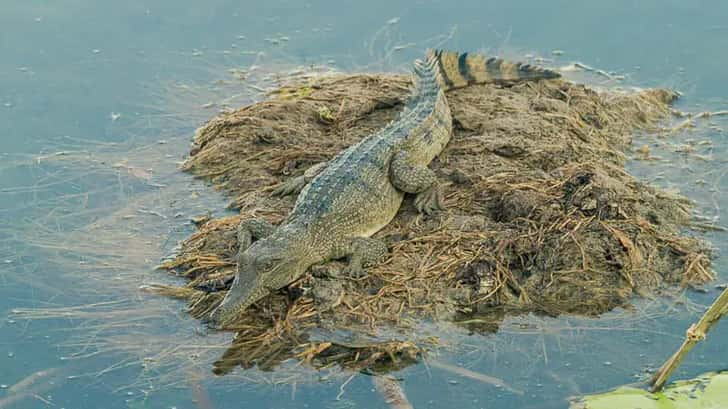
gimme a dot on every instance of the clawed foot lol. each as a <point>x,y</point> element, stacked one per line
<point>351,270</point>
<point>355,271</point>
<point>323,271</point>
<point>289,187</point>
<point>428,201</point>
<point>252,229</point>
<point>245,236</point>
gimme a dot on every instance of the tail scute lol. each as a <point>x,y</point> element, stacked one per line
<point>461,69</point>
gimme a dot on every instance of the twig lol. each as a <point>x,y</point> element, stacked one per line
<point>707,227</point>
<point>31,380</point>
<point>392,392</point>
<point>40,398</point>
<point>695,333</point>
<point>690,121</point>
<point>201,397</point>
<point>343,387</point>
<point>474,375</point>
<point>9,400</point>
<point>594,70</point>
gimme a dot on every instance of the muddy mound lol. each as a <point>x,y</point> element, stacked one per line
<point>541,217</point>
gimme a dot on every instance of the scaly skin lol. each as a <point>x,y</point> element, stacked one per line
<point>344,202</point>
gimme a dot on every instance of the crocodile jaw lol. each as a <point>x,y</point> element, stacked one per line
<point>266,266</point>
<point>236,301</point>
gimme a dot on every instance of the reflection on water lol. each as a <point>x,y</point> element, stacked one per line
<point>98,102</point>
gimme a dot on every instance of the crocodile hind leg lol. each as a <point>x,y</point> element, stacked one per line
<point>420,180</point>
<point>361,252</point>
<point>253,229</point>
<point>295,185</point>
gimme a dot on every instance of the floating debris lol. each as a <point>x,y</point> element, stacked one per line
<point>32,380</point>
<point>477,376</point>
<point>706,391</point>
<point>143,174</point>
<point>588,68</point>
<point>403,46</point>
<point>393,394</point>
<point>151,212</point>
<point>696,333</point>
<point>691,118</point>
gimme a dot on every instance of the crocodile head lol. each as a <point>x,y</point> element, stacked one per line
<point>265,266</point>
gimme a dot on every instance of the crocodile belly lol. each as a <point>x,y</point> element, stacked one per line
<point>379,212</point>
<point>360,210</point>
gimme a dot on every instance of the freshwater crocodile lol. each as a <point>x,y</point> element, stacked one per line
<point>344,201</point>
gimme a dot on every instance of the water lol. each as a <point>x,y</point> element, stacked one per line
<point>98,101</point>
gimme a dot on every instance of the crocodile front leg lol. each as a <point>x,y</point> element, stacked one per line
<point>295,185</point>
<point>420,180</point>
<point>253,229</point>
<point>361,252</point>
<point>248,230</point>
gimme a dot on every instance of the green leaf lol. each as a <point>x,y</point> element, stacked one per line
<point>708,391</point>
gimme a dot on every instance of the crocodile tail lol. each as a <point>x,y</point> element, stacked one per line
<point>457,70</point>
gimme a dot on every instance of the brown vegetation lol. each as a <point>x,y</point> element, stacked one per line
<point>541,217</point>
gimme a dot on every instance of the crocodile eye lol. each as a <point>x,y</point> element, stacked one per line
<point>242,259</point>
<point>265,264</point>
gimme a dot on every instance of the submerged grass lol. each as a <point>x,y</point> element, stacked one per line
<point>127,206</point>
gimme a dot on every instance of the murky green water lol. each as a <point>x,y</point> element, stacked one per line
<point>98,101</point>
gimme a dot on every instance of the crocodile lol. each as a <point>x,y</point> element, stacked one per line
<point>342,202</point>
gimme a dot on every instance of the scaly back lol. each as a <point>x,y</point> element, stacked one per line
<point>374,150</point>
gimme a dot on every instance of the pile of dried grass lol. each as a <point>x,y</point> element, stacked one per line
<point>541,216</point>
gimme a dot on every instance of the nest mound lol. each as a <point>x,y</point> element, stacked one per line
<point>541,216</point>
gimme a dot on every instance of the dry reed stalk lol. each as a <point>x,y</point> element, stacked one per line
<point>696,333</point>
